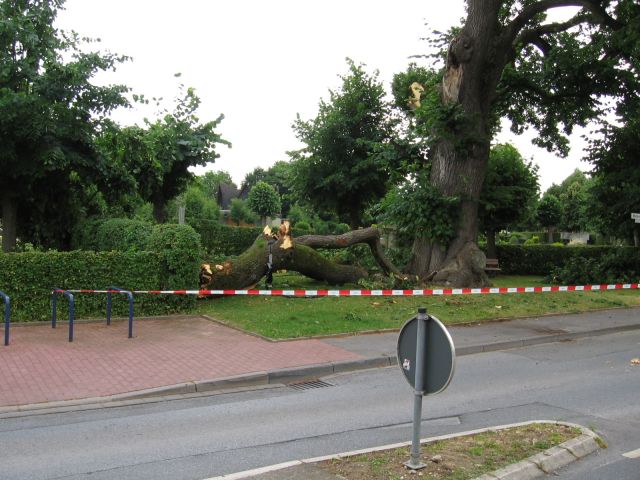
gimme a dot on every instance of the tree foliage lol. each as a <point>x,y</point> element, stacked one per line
<point>264,200</point>
<point>512,59</point>
<point>339,168</point>
<point>49,113</point>
<point>510,191</point>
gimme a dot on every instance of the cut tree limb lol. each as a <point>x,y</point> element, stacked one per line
<point>369,236</point>
<point>286,253</point>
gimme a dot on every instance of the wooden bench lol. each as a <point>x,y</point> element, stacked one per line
<point>492,266</point>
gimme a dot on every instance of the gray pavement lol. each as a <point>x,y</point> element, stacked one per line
<point>505,334</point>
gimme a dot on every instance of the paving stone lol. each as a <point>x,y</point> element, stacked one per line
<point>41,365</point>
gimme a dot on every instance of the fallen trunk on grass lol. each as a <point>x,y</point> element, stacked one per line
<point>279,251</point>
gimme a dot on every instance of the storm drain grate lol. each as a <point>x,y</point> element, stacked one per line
<point>309,385</point>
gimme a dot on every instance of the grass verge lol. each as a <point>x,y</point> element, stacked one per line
<point>281,317</point>
<point>458,458</point>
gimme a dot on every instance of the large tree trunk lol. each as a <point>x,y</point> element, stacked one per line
<point>461,155</point>
<point>9,222</point>
<point>298,255</point>
<point>286,254</point>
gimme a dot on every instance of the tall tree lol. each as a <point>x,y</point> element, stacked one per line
<point>159,155</point>
<point>509,60</point>
<point>549,213</point>
<point>210,181</point>
<point>264,200</point>
<point>616,187</point>
<point>49,112</point>
<point>339,168</point>
<point>509,193</point>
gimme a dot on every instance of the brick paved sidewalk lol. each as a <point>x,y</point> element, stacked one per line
<point>41,365</point>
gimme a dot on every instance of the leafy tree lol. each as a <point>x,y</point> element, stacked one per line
<point>574,207</point>
<point>240,212</point>
<point>549,213</point>
<point>49,113</point>
<point>258,174</point>
<point>201,212</point>
<point>509,60</point>
<point>177,141</point>
<point>616,186</point>
<point>509,193</point>
<point>158,156</point>
<point>339,169</point>
<point>264,200</point>
<point>210,181</point>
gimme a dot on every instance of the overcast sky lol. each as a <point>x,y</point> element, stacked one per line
<point>261,62</point>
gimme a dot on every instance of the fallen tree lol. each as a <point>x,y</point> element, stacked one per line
<point>273,251</point>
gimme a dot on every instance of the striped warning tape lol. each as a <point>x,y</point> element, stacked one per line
<point>378,293</point>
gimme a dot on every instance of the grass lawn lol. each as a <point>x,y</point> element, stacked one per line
<point>281,317</point>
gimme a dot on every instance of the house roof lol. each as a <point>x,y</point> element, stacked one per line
<point>225,194</point>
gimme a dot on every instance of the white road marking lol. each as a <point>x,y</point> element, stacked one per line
<point>632,454</point>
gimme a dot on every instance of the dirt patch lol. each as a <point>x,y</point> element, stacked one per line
<point>455,459</point>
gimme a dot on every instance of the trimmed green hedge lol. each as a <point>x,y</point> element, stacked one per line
<point>28,278</point>
<point>545,259</point>
<point>229,241</point>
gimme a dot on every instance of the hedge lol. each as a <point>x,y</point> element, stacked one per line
<point>230,241</point>
<point>29,277</point>
<point>544,259</point>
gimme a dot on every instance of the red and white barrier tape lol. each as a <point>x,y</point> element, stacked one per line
<point>377,293</point>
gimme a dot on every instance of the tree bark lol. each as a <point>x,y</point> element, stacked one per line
<point>460,157</point>
<point>286,254</point>
<point>9,222</point>
<point>370,236</point>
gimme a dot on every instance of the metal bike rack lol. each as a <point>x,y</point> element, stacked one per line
<point>7,316</point>
<point>54,301</point>
<point>129,294</point>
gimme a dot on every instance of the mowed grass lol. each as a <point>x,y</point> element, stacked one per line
<point>282,317</point>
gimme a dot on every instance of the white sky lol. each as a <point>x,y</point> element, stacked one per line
<point>261,62</point>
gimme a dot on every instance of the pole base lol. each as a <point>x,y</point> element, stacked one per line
<point>414,465</point>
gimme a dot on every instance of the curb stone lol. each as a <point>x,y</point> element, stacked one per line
<point>533,467</point>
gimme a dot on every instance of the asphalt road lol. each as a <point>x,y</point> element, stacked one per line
<point>591,382</point>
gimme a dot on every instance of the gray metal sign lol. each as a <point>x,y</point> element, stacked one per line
<point>426,356</point>
<point>439,354</point>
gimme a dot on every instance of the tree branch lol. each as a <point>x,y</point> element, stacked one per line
<point>599,15</point>
<point>370,236</point>
<point>534,36</point>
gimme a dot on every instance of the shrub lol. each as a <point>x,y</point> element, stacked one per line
<point>230,241</point>
<point>619,265</point>
<point>122,234</point>
<point>179,246</point>
<point>545,259</point>
<point>28,279</point>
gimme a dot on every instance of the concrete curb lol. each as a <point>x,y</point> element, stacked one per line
<point>219,385</point>
<point>297,374</point>
<point>532,467</point>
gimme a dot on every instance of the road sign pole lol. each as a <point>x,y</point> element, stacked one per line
<point>415,462</point>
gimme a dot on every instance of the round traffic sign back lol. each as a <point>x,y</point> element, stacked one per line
<point>439,356</point>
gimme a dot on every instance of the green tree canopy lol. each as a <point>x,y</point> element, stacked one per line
<point>159,155</point>
<point>264,200</point>
<point>49,113</point>
<point>549,212</point>
<point>209,181</point>
<point>339,168</point>
<point>509,194</point>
